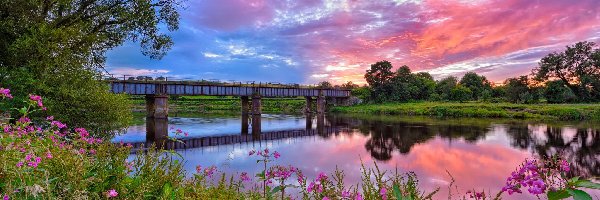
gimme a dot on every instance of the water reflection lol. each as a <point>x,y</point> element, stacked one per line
<point>479,153</point>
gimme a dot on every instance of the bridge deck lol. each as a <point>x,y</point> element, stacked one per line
<point>212,89</point>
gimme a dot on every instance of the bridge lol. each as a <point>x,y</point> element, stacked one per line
<point>157,92</point>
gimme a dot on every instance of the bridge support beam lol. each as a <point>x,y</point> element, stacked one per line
<point>309,102</point>
<point>157,130</point>
<point>320,104</point>
<point>157,106</point>
<point>245,105</point>
<point>256,105</point>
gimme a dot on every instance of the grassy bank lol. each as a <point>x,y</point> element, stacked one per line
<point>487,110</point>
<point>209,104</point>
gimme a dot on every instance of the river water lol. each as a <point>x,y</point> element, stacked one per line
<point>479,153</point>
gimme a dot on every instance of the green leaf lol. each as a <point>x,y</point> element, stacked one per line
<point>556,195</point>
<point>397,192</point>
<point>167,190</point>
<point>587,184</point>
<point>276,189</point>
<point>579,195</point>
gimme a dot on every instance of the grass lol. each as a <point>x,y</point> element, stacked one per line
<point>209,104</point>
<point>485,110</point>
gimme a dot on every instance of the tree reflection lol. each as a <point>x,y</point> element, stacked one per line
<point>581,146</point>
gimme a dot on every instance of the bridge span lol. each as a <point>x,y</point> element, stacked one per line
<point>157,93</point>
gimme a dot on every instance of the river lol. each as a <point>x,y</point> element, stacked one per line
<point>478,153</point>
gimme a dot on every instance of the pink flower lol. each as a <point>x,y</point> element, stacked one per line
<point>20,164</point>
<point>358,196</point>
<point>50,118</point>
<point>186,134</point>
<point>325,198</point>
<point>345,194</point>
<point>244,177</point>
<point>6,197</point>
<point>5,93</point>
<point>48,155</point>
<point>81,151</point>
<point>383,192</point>
<point>322,176</point>
<point>276,155</point>
<point>564,166</point>
<point>251,152</point>
<point>82,132</point>
<point>111,193</point>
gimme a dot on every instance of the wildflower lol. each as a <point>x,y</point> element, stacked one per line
<point>81,151</point>
<point>50,118</point>
<point>276,155</point>
<point>251,152</point>
<point>6,197</point>
<point>111,193</point>
<point>5,93</point>
<point>322,176</point>
<point>266,152</point>
<point>325,198</point>
<point>20,164</point>
<point>198,169</point>
<point>93,151</point>
<point>82,132</point>
<point>300,178</point>
<point>564,166</point>
<point>58,124</point>
<point>38,100</point>
<point>186,134</point>
<point>315,186</point>
<point>210,171</point>
<point>244,177</point>
<point>383,192</point>
<point>345,194</point>
<point>358,196</point>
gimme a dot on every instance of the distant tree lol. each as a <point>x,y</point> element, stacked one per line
<point>477,84</point>
<point>578,67</point>
<point>557,92</point>
<point>518,90</point>
<point>363,93</point>
<point>325,84</point>
<point>460,93</point>
<point>444,87</point>
<point>424,86</point>
<point>349,85</point>
<point>379,77</point>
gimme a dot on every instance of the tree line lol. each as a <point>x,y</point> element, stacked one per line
<point>571,76</point>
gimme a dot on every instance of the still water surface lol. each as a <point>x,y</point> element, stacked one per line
<point>480,154</point>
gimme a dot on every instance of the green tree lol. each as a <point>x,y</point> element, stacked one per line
<point>578,67</point>
<point>477,84</point>
<point>349,85</point>
<point>557,92</point>
<point>57,49</point>
<point>379,77</point>
<point>518,90</point>
<point>445,86</point>
<point>460,93</point>
<point>325,84</point>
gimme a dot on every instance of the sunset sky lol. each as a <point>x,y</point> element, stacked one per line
<point>309,41</point>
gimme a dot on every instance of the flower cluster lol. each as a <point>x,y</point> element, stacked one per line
<point>537,176</point>
<point>111,193</point>
<point>38,100</point>
<point>5,93</point>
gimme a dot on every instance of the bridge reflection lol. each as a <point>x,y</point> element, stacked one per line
<point>157,131</point>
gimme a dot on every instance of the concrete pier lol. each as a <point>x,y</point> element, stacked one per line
<point>309,102</point>
<point>157,129</point>
<point>320,104</point>
<point>256,104</point>
<point>157,106</point>
<point>245,105</point>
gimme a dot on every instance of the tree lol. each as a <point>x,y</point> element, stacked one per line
<point>57,49</point>
<point>325,85</point>
<point>445,86</point>
<point>477,84</point>
<point>578,67</point>
<point>349,85</point>
<point>519,91</point>
<point>379,77</point>
<point>460,93</point>
<point>557,92</point>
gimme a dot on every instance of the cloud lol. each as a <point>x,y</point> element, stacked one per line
<point>120,71</point>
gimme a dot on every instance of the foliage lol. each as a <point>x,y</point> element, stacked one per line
<point>460,93</point>
<point>363,93</point>
<point>325,85</point>
<point>57,48</point>
<point>558,92</point>
<point>477,84</point>
<point>519,90</point>
<point>379,77</point>
<point>444,87</point>
<point>578,67</point>
<point>349,85</point>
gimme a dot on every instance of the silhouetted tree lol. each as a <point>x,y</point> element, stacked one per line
<point>518,90</point>
<point>557,92</point>
<point>379,78</point>
<point>477,84</point>
<point>445,86</point>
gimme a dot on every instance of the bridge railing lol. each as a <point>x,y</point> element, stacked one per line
<point>212,82</point>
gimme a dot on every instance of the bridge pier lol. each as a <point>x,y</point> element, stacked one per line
<point>157,129</point>
<point>320,104</point>
<point>157,106</point>
<point>245,105</point>
<point>309,102</point>
<point>256,104</point>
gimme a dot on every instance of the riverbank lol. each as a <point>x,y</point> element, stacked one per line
<point>486,110</point>
<point>209,104</point>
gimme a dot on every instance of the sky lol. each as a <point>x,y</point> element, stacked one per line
<point>308,41</point>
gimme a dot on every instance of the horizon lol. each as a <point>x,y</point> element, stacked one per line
<point>312,41</point>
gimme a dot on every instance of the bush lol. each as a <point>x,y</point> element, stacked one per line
<point>557,92</point>
<point>460,93</point>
